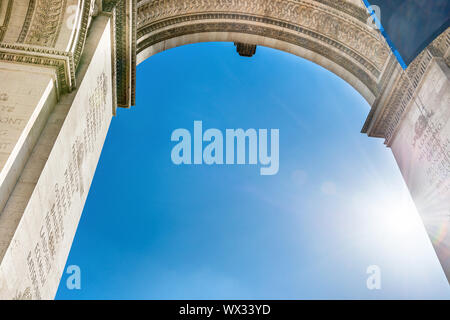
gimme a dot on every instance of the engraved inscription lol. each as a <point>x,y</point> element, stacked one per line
<point>47,18</point>
<point>433,150</point>
<point>41,258</point>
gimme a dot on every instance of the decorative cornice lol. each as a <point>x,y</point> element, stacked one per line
<point>404,93</point>
<point>295,38</point>
<point>391,67</point>
<point>336,30</point>
<point>349,8</point>
<point>109,5</point>
<point>114,46</point>
<point>309,15</point>
<point>42,22</point>
<point>440,47</point>
<point>125,33</point>
<point>62,61</point>
<point>331,24</point>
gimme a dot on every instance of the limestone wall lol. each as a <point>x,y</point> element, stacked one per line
<point>421,146</point>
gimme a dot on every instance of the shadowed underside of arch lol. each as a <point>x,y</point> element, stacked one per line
<point>333,34</point>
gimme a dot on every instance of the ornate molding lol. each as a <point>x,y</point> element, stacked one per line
<point>108,5</point>
<point>440,47</point>
<point>402,92</point>
<point>358,12</point>
<point>39,34</point>
<point>295,38</point>
<point>347,7</point>
<point>125,49</point>
<point>62,61</point>
<point>336,30</point>
<point>86,15</point>
<point>313,16</point>
<point>43,22</point>
<point>245,49</point>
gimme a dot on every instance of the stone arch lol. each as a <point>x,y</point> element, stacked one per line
<point>333,34</point>
<point>59,88</point>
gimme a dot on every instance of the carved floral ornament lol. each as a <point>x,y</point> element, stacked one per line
<point>39,34</point>
<point>312,15</point>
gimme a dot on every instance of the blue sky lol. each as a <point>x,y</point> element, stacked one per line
<point>154,230</point>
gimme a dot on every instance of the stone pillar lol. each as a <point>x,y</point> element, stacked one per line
<point>40,217</point>
<point>413,115</point>
<point>421,146</point>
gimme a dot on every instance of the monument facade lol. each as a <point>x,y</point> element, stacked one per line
<point>66,65</point>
